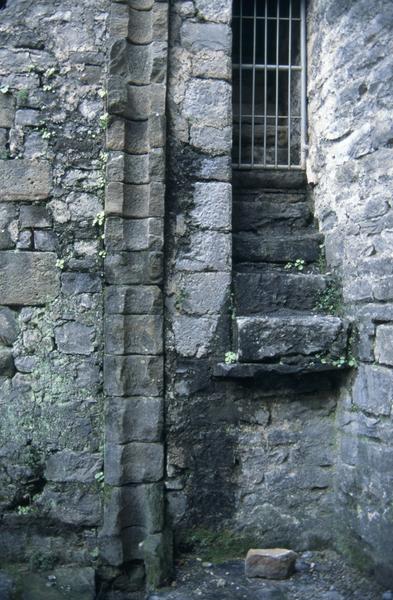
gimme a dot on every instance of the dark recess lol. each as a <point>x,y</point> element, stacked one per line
<point>3,4</point>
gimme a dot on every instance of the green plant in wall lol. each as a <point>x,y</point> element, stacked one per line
<point>322,267</point>
<point>60,263</point>
<point>99,223</point>
<point>181,296</point>
<point>100,478</point>
<point>104,121</point>
<point>330,299</point>
<point>230,357</point>
<point>22,96</point>
<point>297,265</point>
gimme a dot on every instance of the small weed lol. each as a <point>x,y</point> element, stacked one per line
<point>41,562</point>
<point>102,253</point>
<point>4,89</point>
<point>342,361</point>
<point>180,296</point>
<point>321,263</point>
<point>50,72</point>
<point>99,219</point>
<point>22,96</point>
<point>298,265</point>
<point>230,358</point>
<point>99,477</point>
<point>104,121</point>
<point>46,135</point>
<point>101,182</point>
<point>24,510</point>
<point>103,158</point>
<point>60,263</point>
<point>330,300</point>
<point>102,93</point>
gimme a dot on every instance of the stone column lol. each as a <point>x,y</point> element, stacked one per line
<point>134,530</point>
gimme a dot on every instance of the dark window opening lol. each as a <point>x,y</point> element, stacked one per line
<point>3,4</point>
<point>268,83</point>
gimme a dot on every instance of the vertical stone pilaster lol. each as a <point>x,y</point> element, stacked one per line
<point>134,237</point>
<point>198,260</point>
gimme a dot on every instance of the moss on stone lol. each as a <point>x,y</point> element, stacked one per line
<point>215,545</point>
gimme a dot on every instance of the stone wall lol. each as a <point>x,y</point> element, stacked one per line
<point>98,465</point>
<point>245,464</point>
<point>52,82</point>
<point>351,157</point>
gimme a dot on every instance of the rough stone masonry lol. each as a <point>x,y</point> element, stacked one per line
<point>117,442</point>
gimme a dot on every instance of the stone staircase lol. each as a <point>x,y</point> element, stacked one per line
<point>277,283</point>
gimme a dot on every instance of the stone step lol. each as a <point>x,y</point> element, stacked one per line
<point>293,179</point>
<point>257,212</point>
<point>291,339</point>
<point>251,247</point>
<point>274,290</point>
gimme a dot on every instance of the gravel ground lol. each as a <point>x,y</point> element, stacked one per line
<point>319,576</point>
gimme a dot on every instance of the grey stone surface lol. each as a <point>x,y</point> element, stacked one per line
<point>8,326</point>
<point>134,419</point>
<point>134,268</point>
<point>7,109</point>
<point>134,334</point>
<point>7,368</point>
<point>208,102</point>
<point>212,206</point>
<point>193,335</point>
<point>45,241</point>
<point>141,299</point>
<point>349,167</point>
<point>272,290</point>
<point>27,116</point>
<point>28,278</point>
<point>266,338</point>
<point>25,180</point>
<point>373,389</point>
<point>255,211</point>
<point>67,465</point>
<point>220,11</point>
<point>208,250</point>
<point>78,507</point>
<point>158,557</point>
<point>136,462</point>
<point>53,73</point>
<point>384,344</point>
<point>205,36</point>
<point>201,293</point>
<point>80,283</point>
<point>279,249</point>
<point>75,338</point>
<point>133,375</point>
<point>135,234</point>
<point>34,215</point>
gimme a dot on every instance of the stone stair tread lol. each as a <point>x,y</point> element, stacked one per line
<point>293,337</point>
<point>274,290</point>
<point>259,214</point>
<point>251,247</point>
<point>254,370</point>
<point>269,179</point>
<point>254,195</point>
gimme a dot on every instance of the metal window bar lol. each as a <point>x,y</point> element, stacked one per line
<point>270,73</point>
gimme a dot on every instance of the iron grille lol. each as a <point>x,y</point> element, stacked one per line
<point>269,84</point>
